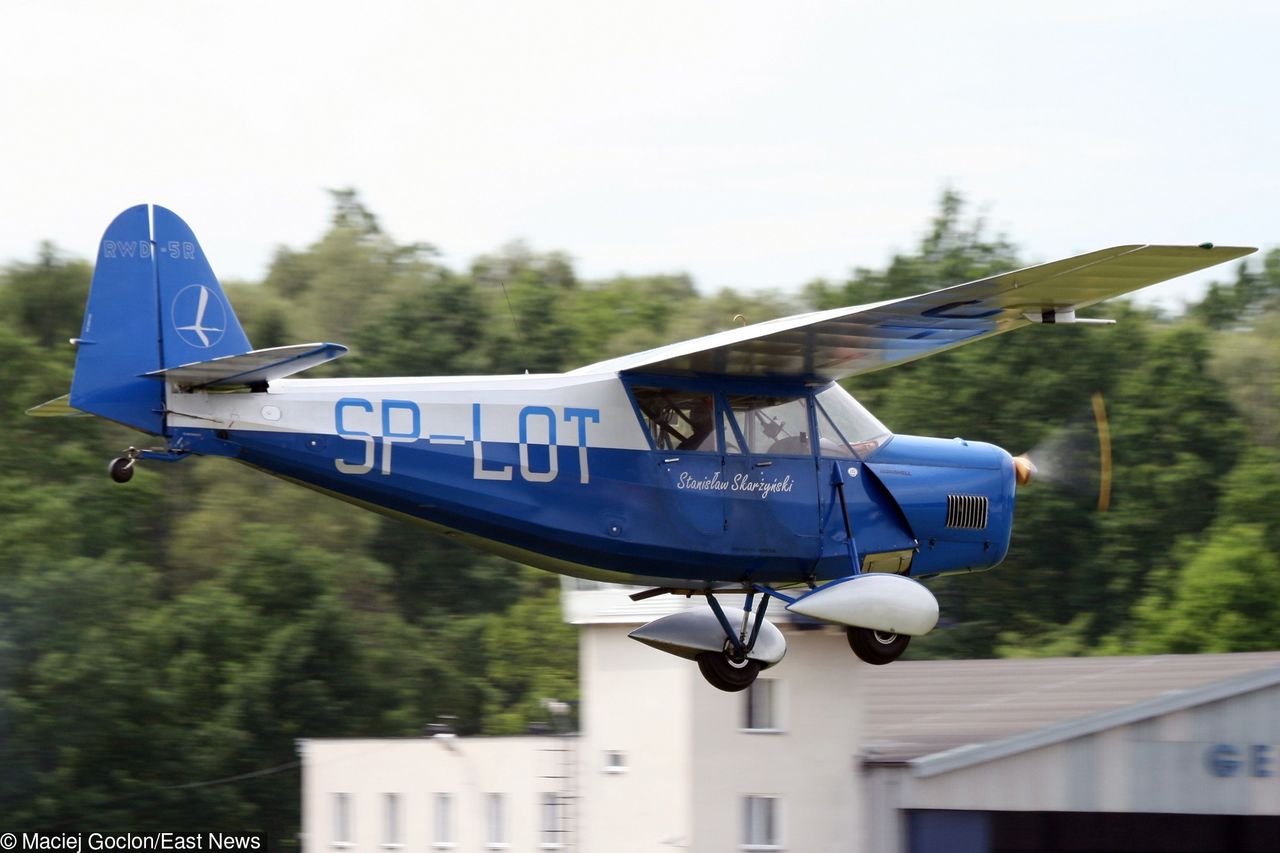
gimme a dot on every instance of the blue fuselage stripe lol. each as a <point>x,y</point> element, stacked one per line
<point>704,516</point>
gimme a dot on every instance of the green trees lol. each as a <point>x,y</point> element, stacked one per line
<point>163,644</point>
<point>1220,592</point>
<point>954,250</point>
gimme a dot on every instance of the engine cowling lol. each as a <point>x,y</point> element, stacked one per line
<point>957,497</point>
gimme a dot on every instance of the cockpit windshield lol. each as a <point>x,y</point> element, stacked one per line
<point>858,428</point>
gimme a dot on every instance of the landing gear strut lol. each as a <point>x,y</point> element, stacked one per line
<point>121,468</point>
<point>732,670</point>
<point>877,647</point>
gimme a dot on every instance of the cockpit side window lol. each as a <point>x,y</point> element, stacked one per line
<point>772,424</point>
<point>678,419</point>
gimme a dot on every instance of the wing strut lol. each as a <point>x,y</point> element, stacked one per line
<point>837,482</point>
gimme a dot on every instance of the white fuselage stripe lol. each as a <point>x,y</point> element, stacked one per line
<point>586,411</point>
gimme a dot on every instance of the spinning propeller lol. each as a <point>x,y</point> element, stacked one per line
<point>1069,455</point>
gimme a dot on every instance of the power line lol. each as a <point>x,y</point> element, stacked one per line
<point>270,771</point>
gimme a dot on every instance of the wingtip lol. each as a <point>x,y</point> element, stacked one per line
<point>1239,251</point>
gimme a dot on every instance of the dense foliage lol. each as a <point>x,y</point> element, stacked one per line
<point>163,644</point>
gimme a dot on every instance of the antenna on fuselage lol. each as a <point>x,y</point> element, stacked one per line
<point>515,321</point>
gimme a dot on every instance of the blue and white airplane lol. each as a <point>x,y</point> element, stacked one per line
<point>731,463</point>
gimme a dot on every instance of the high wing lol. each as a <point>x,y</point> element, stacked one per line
<point>847,341</point>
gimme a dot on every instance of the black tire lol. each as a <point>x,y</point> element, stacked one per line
<point>877,647</point>
<point>121,469</point>
<point>725,674</point>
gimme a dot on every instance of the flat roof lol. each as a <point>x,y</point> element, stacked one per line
<point>919,708</point>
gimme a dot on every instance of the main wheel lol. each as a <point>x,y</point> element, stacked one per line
<point>877,647</point>
<point>724,673</point>
<point>121,469</point>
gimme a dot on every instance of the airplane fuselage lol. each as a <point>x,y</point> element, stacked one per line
<point>677,482</point>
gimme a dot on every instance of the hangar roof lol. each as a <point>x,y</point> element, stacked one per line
<point>919,708</point>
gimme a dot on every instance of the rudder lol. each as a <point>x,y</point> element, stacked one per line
<point>196,320</point>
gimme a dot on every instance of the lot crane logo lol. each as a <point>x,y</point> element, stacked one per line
<point>199,316</point>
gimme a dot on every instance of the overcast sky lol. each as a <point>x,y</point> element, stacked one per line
<point>750,144</point>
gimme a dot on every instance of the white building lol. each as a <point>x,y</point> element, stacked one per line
<point>825,753</point>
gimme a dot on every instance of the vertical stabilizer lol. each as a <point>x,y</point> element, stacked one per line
<point>120,337</point>
<point>154,303</point>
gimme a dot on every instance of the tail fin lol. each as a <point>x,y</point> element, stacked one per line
<point>154,304</point>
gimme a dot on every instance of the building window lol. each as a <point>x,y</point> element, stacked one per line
<point>760,830</point>
<point>615,761</point>
<point>760,706</point>
<point>496,818</point>
<point>341,820</point>
<point>443,821</point>
<point>392,820</point>
<point>551,830</point>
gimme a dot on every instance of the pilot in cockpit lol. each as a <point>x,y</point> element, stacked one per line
<point>703,423</point>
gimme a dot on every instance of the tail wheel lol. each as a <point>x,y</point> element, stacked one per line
<point>724,673</point>
<point>121,469</point>
<point>877,647</point>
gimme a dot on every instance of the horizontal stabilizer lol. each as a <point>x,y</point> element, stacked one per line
<point>58,407</point>
<point>249,368</point>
